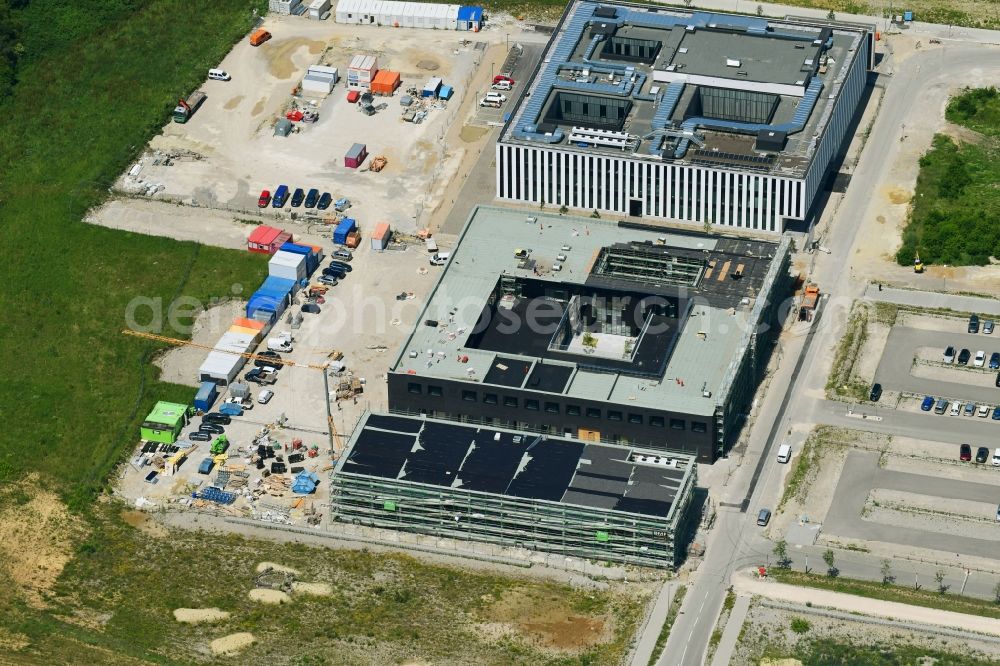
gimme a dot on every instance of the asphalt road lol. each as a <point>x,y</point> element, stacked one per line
<point>924,75</point>
<point>894,369</point>
<point>920,425</point>
<point>862,473</point>
<point>929,299</point>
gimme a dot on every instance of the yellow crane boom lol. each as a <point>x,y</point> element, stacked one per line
<point>270,359</point>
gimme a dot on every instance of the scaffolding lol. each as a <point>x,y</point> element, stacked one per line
<point>645,263</point>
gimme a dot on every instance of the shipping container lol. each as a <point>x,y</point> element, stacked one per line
<point>361,71</point>
<point>287,265</point>
<point>164,423</point>
<point>205,398</point>
<point>267,240</point>
<point>312,261</point>
<point>431,87</point>
<point>381,236</point>
<point>469,18</point>
<point>220,367</point>
<point>446,92</point>
<point>355,156</point>
<point>248,323</point>
<point>385,82</point>
<point>246,330</point>
<point>346,226</point>
<point>353,239</point>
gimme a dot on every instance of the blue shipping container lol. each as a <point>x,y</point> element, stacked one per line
<point>278,285</point>
<point>269,301</point>
<point>206,396</point>
<point>346,226</point>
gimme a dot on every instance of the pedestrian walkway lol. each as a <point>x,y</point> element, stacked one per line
<point>651,630</point>
<point>747,582</point>
<point>930,299</point>
<point>731,634</point>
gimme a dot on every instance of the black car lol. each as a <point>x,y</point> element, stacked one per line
<point>876,392</point>
<point>324,201</point>
<point>200,436</point>
<point>298,197</point>
<point>998,380</point>
<point>340,264</point>
<point>963,357</point>
<point>312,197</point>
<point>974,324</point>
<point>333,271</point>
<point>266,359</point>
<point>214,428</point>
<point>215,417</point>
<point>982,454</point>
<point>311,308</point>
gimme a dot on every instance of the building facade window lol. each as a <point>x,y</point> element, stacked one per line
<point>436,391</point>
<point>677,424</point>
<point>635,418</point>
<point>572,410</point>
<point>469,396</point>
<point>552,407</point>
<point>593,413</point>
<point>490,398</point>
<point>614,415</point>
<point>414,387</point>
<point>509,401</point>
<point>531,405</point>
<point>656,421</point>
<point>698,426</point>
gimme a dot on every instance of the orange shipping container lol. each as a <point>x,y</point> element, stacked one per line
<point>385,82</point>
<point>248,323</point>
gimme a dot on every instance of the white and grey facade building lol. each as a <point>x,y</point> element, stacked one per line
<point>684,115</point>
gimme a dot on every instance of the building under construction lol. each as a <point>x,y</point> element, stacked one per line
<point>579,499</point>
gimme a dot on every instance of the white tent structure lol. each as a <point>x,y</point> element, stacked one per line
<point>398,14</point>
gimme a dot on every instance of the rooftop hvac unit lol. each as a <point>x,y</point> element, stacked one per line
<point>566,248</point>
<point>556,268</point>
<point>732,62</point>
<point>561,257</point>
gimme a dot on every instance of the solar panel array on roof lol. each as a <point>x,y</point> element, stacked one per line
<point>396,423</point>
<point>548,472</point>
<point>492,463</point>
<point>379,453</point>
<point>439,455</point>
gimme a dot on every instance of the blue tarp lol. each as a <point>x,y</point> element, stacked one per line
<point>305,483</point>
<point>206,396</point>
<point>469,18</point>
<point>346,226</point>
<point>278,285</point>
<point>231,409</point>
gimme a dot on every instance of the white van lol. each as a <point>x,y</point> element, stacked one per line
<point>956,408</point>
<point>502,85</point>
<point>784,453</point>
<point>440,258</point>
<point>996,458</point>
<point>496,97</point>
<point>218,75</point>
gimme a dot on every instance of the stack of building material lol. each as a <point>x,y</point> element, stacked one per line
<point>284,7</point>
<point>361,71</point>
<point>305,483</point>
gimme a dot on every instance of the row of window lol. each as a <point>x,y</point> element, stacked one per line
<point>533,405</point>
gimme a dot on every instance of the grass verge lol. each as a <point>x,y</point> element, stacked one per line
<point>829,651</point>
<point>814,449</point>
<point>841,382</point>
<point>899,594</point>
<point>661,640</point>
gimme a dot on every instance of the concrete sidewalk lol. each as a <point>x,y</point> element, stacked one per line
<point>746,582</point>
<point>654,622</point>
<point>731,634</point>
<point>930,299</point>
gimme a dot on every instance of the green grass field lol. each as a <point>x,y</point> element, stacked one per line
<point>831,652</point>
<point>96,81</point>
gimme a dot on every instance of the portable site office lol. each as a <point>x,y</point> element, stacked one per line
<point>164,423</point>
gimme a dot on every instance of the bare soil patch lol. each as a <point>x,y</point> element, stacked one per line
<point>233,103</point>
<point>275,597</point>
<point>547,622</point>
<point>144,523</point>
<point>36,538</point>
<point>232,643</point>
<point>199,615</point>
<point>280,55</point>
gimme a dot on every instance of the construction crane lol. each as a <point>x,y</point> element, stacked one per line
<point>334,447</point>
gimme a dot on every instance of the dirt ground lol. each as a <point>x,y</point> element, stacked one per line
<point>549,623</point>
<point>232,644</point>
<point>199,615</point>
<point>36,538</point>
<point>878,240</point>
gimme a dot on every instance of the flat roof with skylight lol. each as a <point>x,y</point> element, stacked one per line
<point>687,86</point>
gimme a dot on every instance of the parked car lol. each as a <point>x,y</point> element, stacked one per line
<point>964,356</point>
<point>763,517</point>
<point>974,324</point>
<point>994,360</point>
<point>997,382</point>
<point>980,359</point>
<point>941,406</point>
<point>263,376</point>
<point>264,199</point>
<point>265,396</point>
<point>343,254</point>
<point>988,327</point>
<point>324,201</point>
<point>206,466</point>
<point>312,197</point>
<point>949,355</point>
<point>996,458</point>
<point>982,454</point>
<point>213,428</point>
<point>215,417</point>
<point>983,411</point>
<point>927,404</point>
<point>151,477</point>
<point>341,264</point>
<point>265,360</point>
<point>996,414</point>
<point>965,453</point>
<point>280,197</point>
<point>956,408</point>
<point>970,408</point>
<point>219,75</point>
<point>502,85</point>
<point>334,273</point>
<point>311,308</point>
<point>328,280</point>
<point>200,437</point>
<point>298,197</point>
<point>876,392</point>
<point>503,77</point>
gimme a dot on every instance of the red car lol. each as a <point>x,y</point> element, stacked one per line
<point>503,77</point>
<point>965,453</point>
<point>265,198</point>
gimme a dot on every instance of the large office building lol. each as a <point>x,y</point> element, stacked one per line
<point>595,330</point>
<point>516,490</point>
<point>684,115</point>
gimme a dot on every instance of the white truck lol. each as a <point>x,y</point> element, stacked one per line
<point>281,343</point>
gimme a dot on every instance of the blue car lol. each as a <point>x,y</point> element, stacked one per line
<point>996,414</point>
<point>927,404</point>
<point>994,360</point>
<point>280,197</point>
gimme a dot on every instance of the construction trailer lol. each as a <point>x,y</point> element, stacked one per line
<point>361,71</point>
<point>267,240</point>
<point>516,490</point>
<point>165,422</point>
<point>404,14</point>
